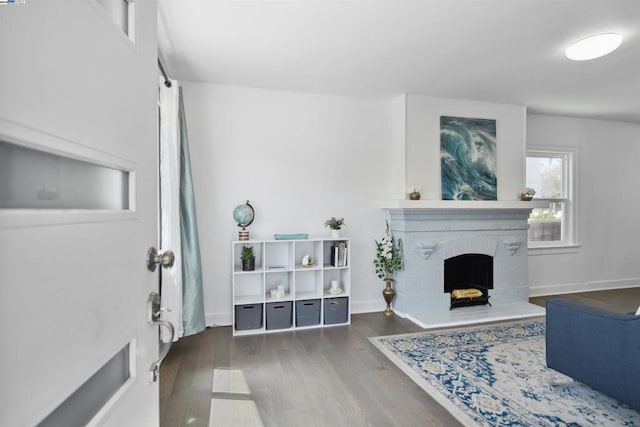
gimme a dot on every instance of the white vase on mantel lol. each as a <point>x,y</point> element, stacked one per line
<point>335,234</point>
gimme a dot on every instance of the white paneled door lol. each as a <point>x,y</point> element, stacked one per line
<point>75,286</point>
<point>78,213</point>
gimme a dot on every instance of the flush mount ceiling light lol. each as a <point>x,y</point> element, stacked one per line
<point>593,46</point>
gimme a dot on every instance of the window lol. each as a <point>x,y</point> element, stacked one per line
<point>35,179</point>
<point>550,171</point>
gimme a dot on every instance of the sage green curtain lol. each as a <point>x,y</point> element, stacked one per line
<point>192,295</point>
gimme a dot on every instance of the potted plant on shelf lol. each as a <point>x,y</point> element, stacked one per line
<point>248,258</point>
<point>335,224</point>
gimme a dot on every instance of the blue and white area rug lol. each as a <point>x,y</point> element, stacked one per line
<point>496,375</point>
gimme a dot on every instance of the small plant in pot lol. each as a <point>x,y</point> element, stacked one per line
<point>527,194</point>
<point>335,224</point>
<point>248,258</point>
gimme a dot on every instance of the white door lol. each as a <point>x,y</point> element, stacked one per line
<point>78,212</point>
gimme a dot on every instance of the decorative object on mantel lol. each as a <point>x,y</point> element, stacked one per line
<point>512,246</point>
<point>248,258</point>
<point>335,224</point>
<point>244,216</point>
<point>468,158</point>
<point>527,193</point>
<point>388,261</point>
<point>414,192</point>
<point>426,249</point>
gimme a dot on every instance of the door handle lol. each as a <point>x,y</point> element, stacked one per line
<point>154,311</point>
<point>165,259</point>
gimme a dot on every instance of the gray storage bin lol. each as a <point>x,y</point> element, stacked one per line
<point>336,310</point>
<point>308,312</point>
<point>248,316</point>
<point>279,314</point>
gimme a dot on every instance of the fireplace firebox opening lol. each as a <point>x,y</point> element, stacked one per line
<point>468,278</point>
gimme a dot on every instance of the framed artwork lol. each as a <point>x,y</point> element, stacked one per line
<point>468,158</point>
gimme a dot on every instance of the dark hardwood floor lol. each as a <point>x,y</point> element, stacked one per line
<point>618,300</point>
<point>319,377</point>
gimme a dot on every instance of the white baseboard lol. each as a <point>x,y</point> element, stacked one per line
<point>218,319</point>
<point>572,288</point>
<point>369,306</point>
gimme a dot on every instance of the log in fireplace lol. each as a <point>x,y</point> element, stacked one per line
<point>468,271</point>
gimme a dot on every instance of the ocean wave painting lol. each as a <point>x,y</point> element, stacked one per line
<point>468,158</point>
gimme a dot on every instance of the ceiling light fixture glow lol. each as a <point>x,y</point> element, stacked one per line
<point>593,46</point>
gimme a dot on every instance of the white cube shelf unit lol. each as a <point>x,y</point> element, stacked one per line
<point>279,262</point>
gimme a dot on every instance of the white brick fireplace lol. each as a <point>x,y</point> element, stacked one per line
<point>433,231</point>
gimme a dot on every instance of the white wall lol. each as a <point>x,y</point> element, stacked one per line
<point>423,142</point>
<point>608,202</point>
<point>398,159</point>
<point>299,159</point>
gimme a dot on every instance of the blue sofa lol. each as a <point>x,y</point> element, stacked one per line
<point>595,347</point>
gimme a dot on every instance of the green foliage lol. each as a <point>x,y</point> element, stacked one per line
<point>547,215</point>
<point>334,223</point>
<point>247,253</point>
<point>388,256</point>
<point>553,212</point>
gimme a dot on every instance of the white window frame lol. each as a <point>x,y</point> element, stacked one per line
<point>569,240</point>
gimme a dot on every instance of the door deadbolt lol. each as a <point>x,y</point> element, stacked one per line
<point>165,259</point>
<point>154,311</point>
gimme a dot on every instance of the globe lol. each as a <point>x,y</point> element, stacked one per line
<point>243,215</point>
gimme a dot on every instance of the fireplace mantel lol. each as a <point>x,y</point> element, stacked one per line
<point>460,205</point>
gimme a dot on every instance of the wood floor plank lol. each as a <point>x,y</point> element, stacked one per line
<point>317,377</point>
<point>617,300</point>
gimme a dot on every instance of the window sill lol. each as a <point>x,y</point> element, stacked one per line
<point>553,250</point>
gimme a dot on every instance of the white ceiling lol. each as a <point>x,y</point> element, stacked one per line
<point>506,51</point>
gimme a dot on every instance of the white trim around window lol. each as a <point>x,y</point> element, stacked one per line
<point>568,242</point>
